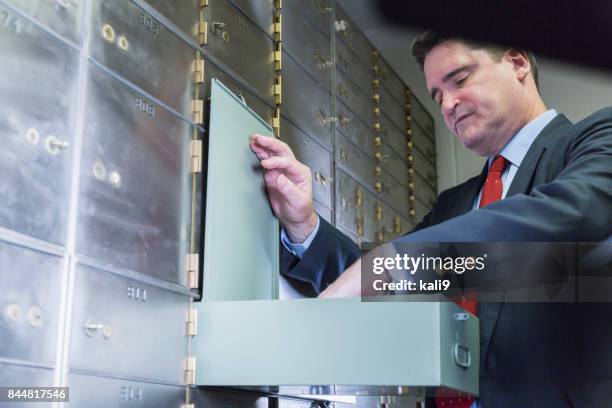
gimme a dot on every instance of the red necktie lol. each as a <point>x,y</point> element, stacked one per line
<point>491,191</point>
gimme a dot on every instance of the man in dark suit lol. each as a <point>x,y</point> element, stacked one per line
<point>553,181</point>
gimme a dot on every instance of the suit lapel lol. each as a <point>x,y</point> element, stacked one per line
<point>522,183</point>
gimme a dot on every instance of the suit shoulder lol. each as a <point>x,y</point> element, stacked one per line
<point>602,119</point>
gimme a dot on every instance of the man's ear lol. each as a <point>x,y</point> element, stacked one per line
<point>519,61</point>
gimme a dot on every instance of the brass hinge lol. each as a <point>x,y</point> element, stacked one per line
<point>187,405</point>
<point>189,365</point>
<point>198,111</point>
<point>196,156</point>
<point>191,324</point>
<point>278,27</point>
<point>278,57</point>
<point>193,267</point>
<point>278,4</point>
<point>276,123</point>
<point>278,90</point>
<point>203,32</point>
<point>198,71</point>
<point>203,3</point>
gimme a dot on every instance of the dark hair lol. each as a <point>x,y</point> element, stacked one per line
<point>427,40</point>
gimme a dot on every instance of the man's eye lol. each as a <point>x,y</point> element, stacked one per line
<point>461,81</point>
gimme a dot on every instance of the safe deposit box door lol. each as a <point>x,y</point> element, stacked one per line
<point>241,241</point>
<point>349,346</point>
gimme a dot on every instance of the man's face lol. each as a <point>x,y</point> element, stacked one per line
<point>479,97</point>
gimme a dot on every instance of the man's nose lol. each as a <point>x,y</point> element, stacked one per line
<point>449,105</point>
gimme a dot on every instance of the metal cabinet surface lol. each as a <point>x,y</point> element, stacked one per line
<point>352,96</point>
<point>260,12</point>
<point>387,77</point>
<point>424,167</point>
<point>395,164</point>
<point>348,32</point>
<point>351,126</point>
<point>64,17</point>
<point>129,41</point>
<point>29,304</point>
<point>354,67</point>
<point>306,103</point>
<point>422,142</point>
<point>419,114</point>
<point>37,126</point>
<point>184,14</point>
<point>127,328</point>
<point>232,39</point>
<point>349,157</point>
<point>135,196</point>
<point>308,46</point>
<point>23,376</point>
<point>100,392</point>
<point>317,11</point>
<point>396,111</point>
<point>393,193</point>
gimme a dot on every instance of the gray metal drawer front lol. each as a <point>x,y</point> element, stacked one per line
<point>355,207</point>
<point>129,41</point>
<point>317,11</point>
<point>420,115</point>
<point>347,199</point>
<point>37,119</point>
<point>127,328</point>
<point>260,12</point>
<point>389,222</point>
<point>29,303</point>
<point>354,129</point>
<point>61,16</point>
<point>323,211</point>
<point>310,153</point>
<point>348,32</point>
<point>306,103</point>
<point>366,216</point>
<point>423,142</point>
<point>423,190</point>
<point>352,96</point>
<point>21,376</point>
<point>353,159</point>
<point>354,67</point>
<point>135,193</point>
<point>308,46</point>
<point>394,164</point>
<point>183,13</point>
<point>89,391</point>
<point>396,111</point>
<point>235,41</point>
<point>392,135</point>
<point>424,167</point>
<point>393,193</point>
<point>258,105</point>
<point>389,79</point>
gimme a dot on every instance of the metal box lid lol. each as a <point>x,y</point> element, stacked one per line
<point>241,239</point>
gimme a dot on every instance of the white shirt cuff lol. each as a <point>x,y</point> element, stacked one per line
<point>299,249</point>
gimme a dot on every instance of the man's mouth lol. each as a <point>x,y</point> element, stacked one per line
<point>461,119</point>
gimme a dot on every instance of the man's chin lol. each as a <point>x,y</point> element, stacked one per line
<point>474,144</point>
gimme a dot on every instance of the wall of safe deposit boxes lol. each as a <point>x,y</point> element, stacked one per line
<point>103,114</point>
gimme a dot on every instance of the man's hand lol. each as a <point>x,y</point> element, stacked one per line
<point>289,186</point>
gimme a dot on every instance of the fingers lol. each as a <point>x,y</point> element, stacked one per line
<point>269,145</point>
<point>291,166</point>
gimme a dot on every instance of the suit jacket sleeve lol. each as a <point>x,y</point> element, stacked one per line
<point>575,206</point>
<point>329,254</point>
